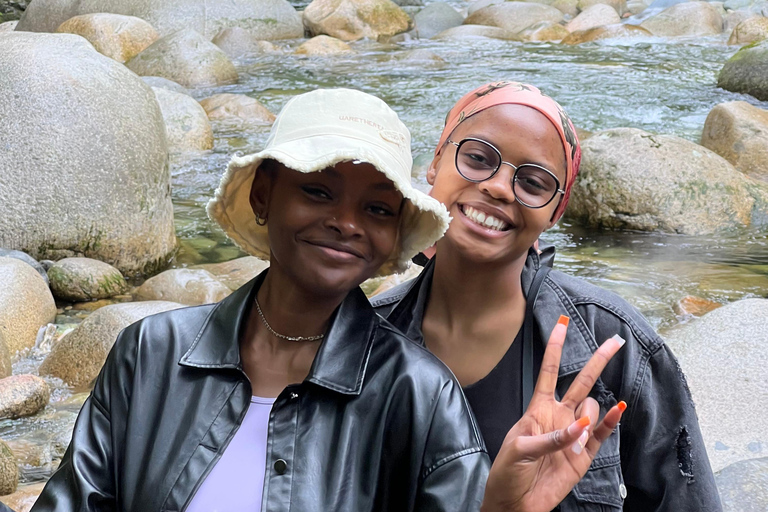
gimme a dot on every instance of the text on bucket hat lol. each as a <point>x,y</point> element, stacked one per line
<point>315,131</point>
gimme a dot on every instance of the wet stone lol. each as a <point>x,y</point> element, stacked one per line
<point>22,395</point>
<point>743,486</point>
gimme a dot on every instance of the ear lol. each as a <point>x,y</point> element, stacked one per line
<point>261,191</point>
<point>432,171</point>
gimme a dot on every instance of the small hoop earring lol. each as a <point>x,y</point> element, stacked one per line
<point>260,221</point>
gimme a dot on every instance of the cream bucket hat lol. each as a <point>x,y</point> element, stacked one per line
<point>315,131</point>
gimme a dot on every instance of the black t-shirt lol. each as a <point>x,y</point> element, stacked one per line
<point>494,417</point>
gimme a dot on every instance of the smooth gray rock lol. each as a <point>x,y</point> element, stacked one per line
<point>186,58</point>
<point>164,83</point>
<point>723,356</point>
<point>84,163</point>
<point>686,19</point>
<point>238,42</point>
<point>746,71</point>
<point>435,18</point>
<point>514,16</point>
<point>83,279</point>
<point>186,123</point>
<point>22,395</point>
<point>78,357</point>
<point>270,19</point>
<point>743,486</point>
<point>29,260</point>
<point>631,179</point>
<point>185,286</point>
<point>26,304</point>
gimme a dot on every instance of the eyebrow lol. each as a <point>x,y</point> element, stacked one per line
<point>534,162</point>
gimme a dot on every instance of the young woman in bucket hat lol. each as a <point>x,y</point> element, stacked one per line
<point>504,168</point>
<point>292,394</point>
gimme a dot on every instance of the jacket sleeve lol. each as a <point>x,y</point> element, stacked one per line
<point>86,478</point>
<point>456,462</point>
<point>664,460</point>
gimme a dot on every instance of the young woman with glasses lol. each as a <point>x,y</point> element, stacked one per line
<point>504,168</point>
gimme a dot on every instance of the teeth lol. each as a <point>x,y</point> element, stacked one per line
<point>484,219</point>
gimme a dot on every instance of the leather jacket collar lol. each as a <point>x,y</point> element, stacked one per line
<point>217,343</point>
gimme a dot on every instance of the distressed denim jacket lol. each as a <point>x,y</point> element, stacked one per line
<point>656,459</point>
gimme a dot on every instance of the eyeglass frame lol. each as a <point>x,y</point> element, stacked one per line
<point>458,145</point>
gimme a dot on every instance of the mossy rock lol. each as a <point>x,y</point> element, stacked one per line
<point>83,279</point>
<point>746,71</point>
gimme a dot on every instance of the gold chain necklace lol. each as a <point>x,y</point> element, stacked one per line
<point>283,336</point>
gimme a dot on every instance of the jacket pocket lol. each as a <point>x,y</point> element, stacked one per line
<point>602,488</point>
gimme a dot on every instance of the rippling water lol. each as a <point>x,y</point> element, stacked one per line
<point>657,85</point>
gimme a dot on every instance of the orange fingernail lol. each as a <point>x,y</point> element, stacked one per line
<point>622,406</point>
<point>583,422</point>
<point>564,320</point>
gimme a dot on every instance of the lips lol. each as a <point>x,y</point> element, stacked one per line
<point>338,250</point>
<point>492,220</point>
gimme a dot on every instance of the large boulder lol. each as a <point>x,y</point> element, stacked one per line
<point>746,71</point>
<point>743,486</point>
<point>474,32</point>
<point>164,83</point>
<point>270,19</point>
<point>597,15</point>
<point>235,273</point>
<point>620,6</point>
<point>323,46</point>
<point>78,357</point>
<point>116,36</point>
<point>26,304</point>
<point>9,471</point>
<point>514,16</point>
<point>723,356</point>
<point>237,42</point>
<point>186,58</point>
<point>738,132</point>
<point>544,31</point>
<point>631,179</point>
<point>6,365</point>
<point>81,279</point>
<point>240,109</point>
<point>183,285</point>
<point>186,124</point>
<point>750,31</point>
<point>29,260</point>
<point>22,395</point>
<point>84,159</point>
<point>617,31</point>
<point>8,26</point>
<point>686,19</point>
<point>350,20</point>
<point>435,18</point>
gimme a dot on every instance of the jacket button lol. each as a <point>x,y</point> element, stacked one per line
<point>280,466</point>
<point>623,491</point>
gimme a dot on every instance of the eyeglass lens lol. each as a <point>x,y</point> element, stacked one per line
<point>477,161</point>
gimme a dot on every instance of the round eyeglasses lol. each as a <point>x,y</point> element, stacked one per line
<point>533,185</point>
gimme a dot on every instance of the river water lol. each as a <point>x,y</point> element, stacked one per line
<point>661,86</point>
<point>656,85</point>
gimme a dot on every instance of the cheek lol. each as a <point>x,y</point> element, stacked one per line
<point>384,240</point>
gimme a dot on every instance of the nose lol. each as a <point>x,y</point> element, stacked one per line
<point>500,185</point>
<point>344,221</point>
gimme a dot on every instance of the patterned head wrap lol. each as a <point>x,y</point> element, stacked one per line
<point>499,93</point>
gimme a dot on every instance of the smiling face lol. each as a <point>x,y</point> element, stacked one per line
<point>489,224</point>
<point>330,230</point>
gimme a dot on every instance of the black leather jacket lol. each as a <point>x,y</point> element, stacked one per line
<point>656,459</point>
<point>378,425</point>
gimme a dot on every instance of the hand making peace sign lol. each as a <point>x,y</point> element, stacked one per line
<point>550,449</point>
